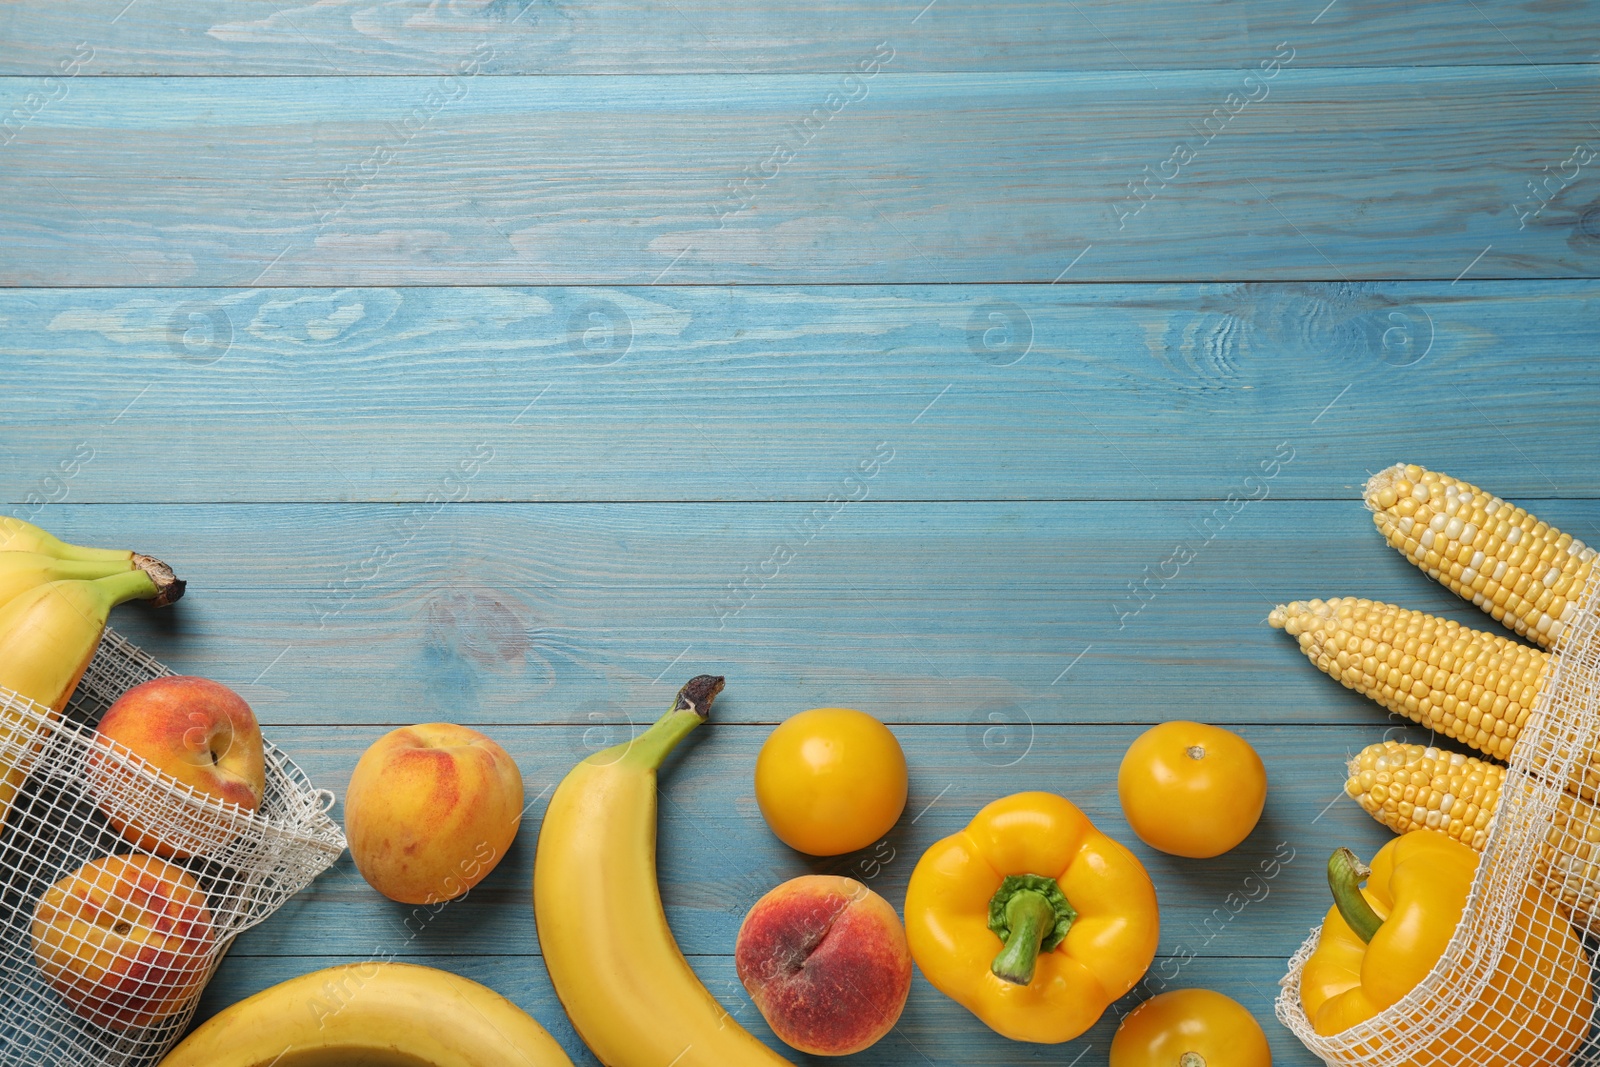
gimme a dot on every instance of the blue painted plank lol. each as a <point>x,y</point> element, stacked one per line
<point>702,36</point>
<point>1337,175</point>
<point>756,393</point>
<point>918,613</point>
<point>717,856</point>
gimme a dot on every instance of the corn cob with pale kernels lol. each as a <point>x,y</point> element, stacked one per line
<point>1526,573</point>
<point>1409,787</point>
<point>1412,787</point>
<point>1477,688</point>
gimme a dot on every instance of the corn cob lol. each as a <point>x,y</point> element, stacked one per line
<point>1476,688</point>
<point>1526,573</point>
<point>1409,787</point>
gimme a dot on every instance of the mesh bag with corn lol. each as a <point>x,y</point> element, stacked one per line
<point>1529,803</point>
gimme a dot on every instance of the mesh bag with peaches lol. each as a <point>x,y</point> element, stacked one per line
<point>140,836</point>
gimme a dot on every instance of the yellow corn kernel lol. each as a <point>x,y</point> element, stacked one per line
<point>1526,573</point>
<point>1447,784</point>
<point>1473,693</point>
<point>1459,796</point>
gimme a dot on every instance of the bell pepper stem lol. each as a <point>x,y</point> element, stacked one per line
<point>1030,915</point>
<point>1345,874</point>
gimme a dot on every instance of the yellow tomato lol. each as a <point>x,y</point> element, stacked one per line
<point>1190,1028</point>
<point>1191,789</point>
<point>831,780</point>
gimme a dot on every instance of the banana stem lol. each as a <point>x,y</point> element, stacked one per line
<point>17,535</point>
<point>83,554</point>
<point>169,586</point>
<point>129,585</point>
<point>79,570</point>
<point>689,709</point>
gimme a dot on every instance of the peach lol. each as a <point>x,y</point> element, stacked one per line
<point>126,940</point>
<point>195,730</point>
<point>825,960</point>
<point>430,811</point>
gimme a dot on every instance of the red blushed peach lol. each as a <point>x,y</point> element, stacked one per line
<point>430,811</point>
<point>826,962</point>
<point>198,731</point>
<point>127,940</point>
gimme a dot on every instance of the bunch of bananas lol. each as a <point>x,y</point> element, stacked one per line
<point>54,601</point>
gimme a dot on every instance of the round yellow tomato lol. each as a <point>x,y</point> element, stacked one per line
<point>1190,1028</point>
<point>1191,789</point>
<point>830,781</point>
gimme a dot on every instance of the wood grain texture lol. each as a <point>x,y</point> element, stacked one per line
<point>758,393</point>
<point>933,1030</point>
<point>968,614</point>
<point>706,36</point>
<point>717,856</point>
<point>854,447</point>
<point>1338,175</point>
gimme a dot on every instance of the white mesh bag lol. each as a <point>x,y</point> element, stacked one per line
<point>1492,982</point>
<point>104,949</point>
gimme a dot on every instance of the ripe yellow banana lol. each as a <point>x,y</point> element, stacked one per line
<point>22,571</point>
<point>19,536</point>
<point>48,635</point>
<point>613,961</point>
<point>371,1015</point>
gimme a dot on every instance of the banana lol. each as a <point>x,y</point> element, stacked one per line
<point>21,571</point>
<point>371,1015</point>
<point>48,635</point>
<point>19,536</point>
<point>612,959</point>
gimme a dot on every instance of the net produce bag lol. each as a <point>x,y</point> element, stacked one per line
<point>1491,990</point>
<point>104,949</point>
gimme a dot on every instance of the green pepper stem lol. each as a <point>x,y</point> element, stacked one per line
<point>1345,874</point>
<point>1030,917</point>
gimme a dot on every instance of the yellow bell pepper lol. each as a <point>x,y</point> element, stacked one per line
<point>1032,919</point>
<point>1378,943</point>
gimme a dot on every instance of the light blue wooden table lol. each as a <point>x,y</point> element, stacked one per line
<point>471,360</point>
